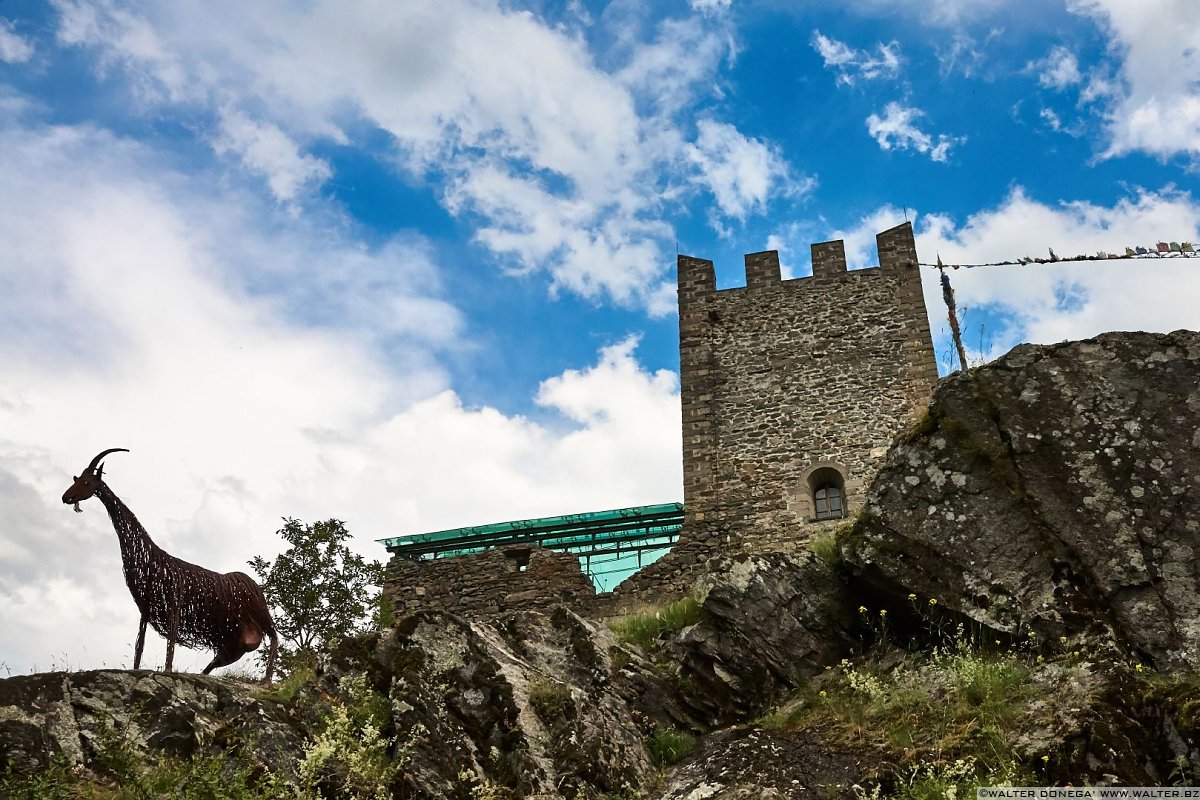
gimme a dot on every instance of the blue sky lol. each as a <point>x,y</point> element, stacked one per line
<point>411,264</point>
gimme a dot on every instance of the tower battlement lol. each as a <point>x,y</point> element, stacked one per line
<point>896,247</point>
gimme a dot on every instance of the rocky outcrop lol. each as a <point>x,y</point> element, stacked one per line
<point>530,705</point>
<point>1052,492</point>
<point>768,623</point>
<point>536,704</point>
<point>750,763</point>
<point>75,715</point>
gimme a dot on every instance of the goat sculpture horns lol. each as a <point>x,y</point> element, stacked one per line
<point>187,604</point>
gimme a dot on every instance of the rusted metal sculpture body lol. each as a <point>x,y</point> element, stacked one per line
<point>186,603</point>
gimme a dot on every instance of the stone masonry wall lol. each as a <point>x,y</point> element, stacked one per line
<point>489,582</point>
<point>781,378</point>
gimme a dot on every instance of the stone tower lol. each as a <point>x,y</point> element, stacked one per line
<point>793,390</point>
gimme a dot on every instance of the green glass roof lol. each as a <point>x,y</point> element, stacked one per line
<point>594,533</point>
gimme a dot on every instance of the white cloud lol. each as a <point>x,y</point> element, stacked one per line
<point>667,74</point>
<point>897,128</point>
<point>478,98</point>
<point>266,150</point>
<point>1155,100</point>
<point>742,173</point>
<point>940,13</point>
<point>1058,70</point>
<point>14,49</point>
<point>852,65</point>
<point>1054,302</point>
<point>1048,303</point>
<point>963,54</point>
<point>1099,87</point>
<point>186,322</point>
<point>1056,124</point>
<point>710,6</point>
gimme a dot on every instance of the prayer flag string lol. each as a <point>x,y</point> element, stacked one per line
<point>1160,250</point>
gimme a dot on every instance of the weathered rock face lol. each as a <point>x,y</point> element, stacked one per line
<point>535,704</point>
<point>749,763</point>
<point>1055,490</point>
<point>538,704</point>
<point>769,622</point>
<point>71,714</point>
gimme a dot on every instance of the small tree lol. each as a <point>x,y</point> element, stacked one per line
<point>318,588</point>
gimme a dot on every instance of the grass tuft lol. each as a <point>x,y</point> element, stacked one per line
<point>953,715</point>
<point>551,700</point>
<point>644,629</point>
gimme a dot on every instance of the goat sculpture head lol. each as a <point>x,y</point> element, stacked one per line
<point>88,481</point>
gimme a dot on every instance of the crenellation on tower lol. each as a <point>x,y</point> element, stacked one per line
<point>762,270</point>
<point>829,259</point>
<point>897,249</point>
<point>697,279</point>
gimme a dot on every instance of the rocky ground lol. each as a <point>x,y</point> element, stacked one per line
<point>1019,602</point>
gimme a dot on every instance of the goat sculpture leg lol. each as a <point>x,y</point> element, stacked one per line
<point>271,656</point>
<point>172,633</point>
<point>224,657</point>
<point>141,642</point>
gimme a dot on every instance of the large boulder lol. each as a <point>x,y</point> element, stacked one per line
<point>768,622</point>
<point>1053,492</point>
<point>533,704</point>
<point>76,715</point>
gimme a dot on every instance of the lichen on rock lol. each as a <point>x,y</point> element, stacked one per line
<point>1074,513</point>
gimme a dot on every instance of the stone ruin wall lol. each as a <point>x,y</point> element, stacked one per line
<point>489,582</point>
<point>777,379</point>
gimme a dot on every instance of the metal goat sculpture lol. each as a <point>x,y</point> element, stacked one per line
<point>187,604</point>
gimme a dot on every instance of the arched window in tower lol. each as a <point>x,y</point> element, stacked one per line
<point>827,488</point>
<point>828,501</point>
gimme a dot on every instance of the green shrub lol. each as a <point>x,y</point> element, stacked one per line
<point>957,779</point>
<point>351,757</point>
<point>667,746</point>
<point>52,783</point>
<point>129,775</point>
